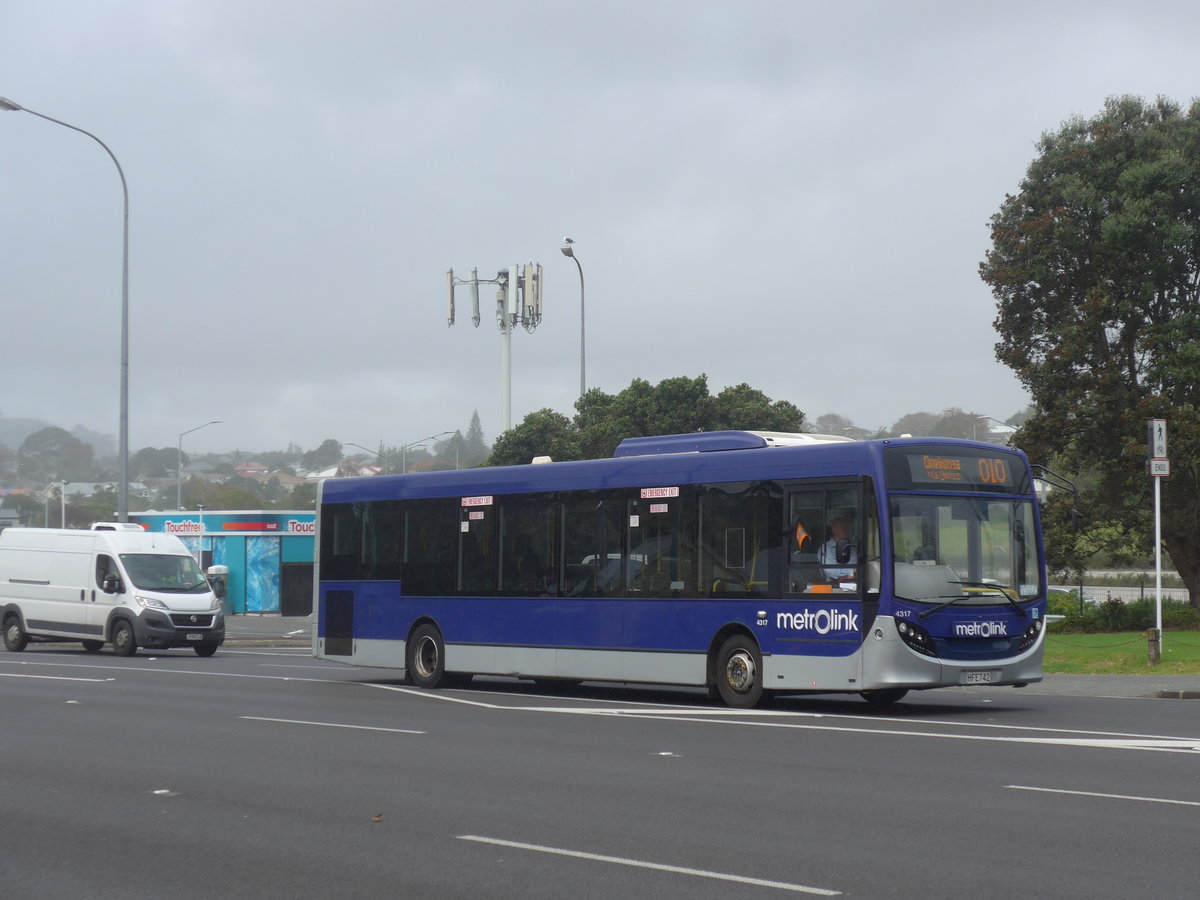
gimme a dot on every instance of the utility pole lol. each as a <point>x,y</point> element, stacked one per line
<point>518,302</point>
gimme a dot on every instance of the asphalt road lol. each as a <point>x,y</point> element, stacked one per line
<point>262,772</point>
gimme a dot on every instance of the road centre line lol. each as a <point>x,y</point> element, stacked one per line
<point>53,677</point>
<point>332,725</point>
<point>1043,790</point>
<point>660,867</point>
<point>151,670</point>
<point>753,718</point>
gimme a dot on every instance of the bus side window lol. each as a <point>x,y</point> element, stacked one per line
<point>431,532</point>
<point>824,540</point>
<point>592,555</point>
<point>529,539</point>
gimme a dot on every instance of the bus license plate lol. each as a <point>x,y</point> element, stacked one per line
<point>193,636</point>
<point>986,676</point>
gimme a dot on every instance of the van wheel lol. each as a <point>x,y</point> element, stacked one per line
<point>93,646</point>
<point>426,657</point>
<point>123,641</point>
<point>205,649</point>
<point>15,638</point>
<point>739,672</point>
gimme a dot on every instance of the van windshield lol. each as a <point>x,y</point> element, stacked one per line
<point>163,572</point>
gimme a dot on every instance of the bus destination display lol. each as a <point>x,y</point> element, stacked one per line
<point>955,470</point>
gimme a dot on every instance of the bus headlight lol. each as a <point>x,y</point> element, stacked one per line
<point>916,637</point>
<point>1030,635</point>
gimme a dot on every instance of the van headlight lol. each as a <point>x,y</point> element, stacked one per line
<point>216,604</point>
<point>149,602</point>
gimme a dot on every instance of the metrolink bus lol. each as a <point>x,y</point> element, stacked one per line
<point>744,562</point>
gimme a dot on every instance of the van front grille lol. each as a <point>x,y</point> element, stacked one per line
<point>192,620</point>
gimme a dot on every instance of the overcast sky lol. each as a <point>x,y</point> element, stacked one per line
<point>790,194</point>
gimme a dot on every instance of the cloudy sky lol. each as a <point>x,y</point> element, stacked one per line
<point>785,193</point>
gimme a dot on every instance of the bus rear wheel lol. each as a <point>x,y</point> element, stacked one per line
<point>739,672</point>
<point>426,657</point>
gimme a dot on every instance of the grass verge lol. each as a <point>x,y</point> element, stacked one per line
<point>1124,653</point>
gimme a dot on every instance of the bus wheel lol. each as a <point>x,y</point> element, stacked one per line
<point>739,672</point>
<point>93,646</point>
<point>426,657</point>
<point>883,696</point>
<point>123,641</point>
<point>15,638</point>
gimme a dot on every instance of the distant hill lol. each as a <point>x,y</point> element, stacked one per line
<point>13,432</point>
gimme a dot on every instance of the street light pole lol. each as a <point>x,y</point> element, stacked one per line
<point>179,468</point>
<point>568,250</point>
<point>123,430</point>
<point>383,457</point>
<point>403,458</point>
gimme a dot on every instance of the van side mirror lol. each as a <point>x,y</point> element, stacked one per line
<point>112,584</point>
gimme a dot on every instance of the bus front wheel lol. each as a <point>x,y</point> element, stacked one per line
<point>739,672</point>
<point>426,657</point>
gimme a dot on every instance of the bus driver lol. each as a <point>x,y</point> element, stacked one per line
<point>835,569</point>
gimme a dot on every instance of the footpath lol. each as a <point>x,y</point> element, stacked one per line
<point>296,631</point>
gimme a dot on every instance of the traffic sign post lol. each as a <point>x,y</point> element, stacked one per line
<point>1159,467</point>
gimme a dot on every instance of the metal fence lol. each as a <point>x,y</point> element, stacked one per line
<point>1102,592</point>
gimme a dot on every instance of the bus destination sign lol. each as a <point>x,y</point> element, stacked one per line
<point>953,470</point>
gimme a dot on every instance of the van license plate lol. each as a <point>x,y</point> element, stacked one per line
<point>193,636</point>
<point>986,676</point>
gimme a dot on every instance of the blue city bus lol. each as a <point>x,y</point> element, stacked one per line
<point>746,562</point>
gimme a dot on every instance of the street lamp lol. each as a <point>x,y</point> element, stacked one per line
<point>179,470</point>
<point>123,486</point>
<point>568,250</point>
<point>978,417</point>
<point>432,437</point>
<point>62,495</point>
<point>383,457</point>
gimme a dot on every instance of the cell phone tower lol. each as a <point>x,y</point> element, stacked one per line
<point>518,303</point>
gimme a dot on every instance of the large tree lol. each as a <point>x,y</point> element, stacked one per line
<point>673,406</point>
<point>1095,267</point>
<point>53,454</point>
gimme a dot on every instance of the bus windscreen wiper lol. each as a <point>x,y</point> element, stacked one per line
<point>950,601</point>
<point>997,587</point>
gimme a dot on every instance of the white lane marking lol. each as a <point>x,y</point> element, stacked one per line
<point>1044,790</point>
<point>51,677</point>
<point>1100,740</point>
<point>331,725</point>
<point>659,867</point>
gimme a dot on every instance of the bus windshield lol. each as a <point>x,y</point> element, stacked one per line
<point>963,546</point>
<point>164,572</point>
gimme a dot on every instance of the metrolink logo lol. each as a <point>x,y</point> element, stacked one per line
<point>981,629</point>
<point>822,621</point>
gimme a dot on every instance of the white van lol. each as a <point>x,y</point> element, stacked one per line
<point>125,586</point>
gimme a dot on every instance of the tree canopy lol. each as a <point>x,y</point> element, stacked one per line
<point>673,406</point>
<point>1095,267</point>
